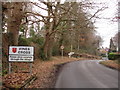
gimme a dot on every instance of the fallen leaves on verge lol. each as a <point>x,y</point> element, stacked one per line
<point>15,80</point>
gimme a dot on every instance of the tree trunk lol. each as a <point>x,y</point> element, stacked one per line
<point>13,34</point>
<point>15,16</point>
<point>48,46</point>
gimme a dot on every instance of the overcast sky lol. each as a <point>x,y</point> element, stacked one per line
<point>105,27</point>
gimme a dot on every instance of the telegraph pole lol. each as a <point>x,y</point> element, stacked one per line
<point>119,27</point>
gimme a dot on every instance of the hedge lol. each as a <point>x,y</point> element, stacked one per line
<point>113,56</point>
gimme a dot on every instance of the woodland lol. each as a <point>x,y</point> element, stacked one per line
<point>49,25</point>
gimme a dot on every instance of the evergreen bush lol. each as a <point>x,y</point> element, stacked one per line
<point>113,56</point>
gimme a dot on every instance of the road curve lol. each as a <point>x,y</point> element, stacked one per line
<point>87,74</point>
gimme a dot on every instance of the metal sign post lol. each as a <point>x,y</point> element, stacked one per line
<point>62,53</point>
<point>62,47</point>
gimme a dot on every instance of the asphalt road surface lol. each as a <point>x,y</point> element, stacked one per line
<point>87,74</point>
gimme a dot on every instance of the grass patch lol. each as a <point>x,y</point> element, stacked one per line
<point>111,64</point>
<point>117,61</point>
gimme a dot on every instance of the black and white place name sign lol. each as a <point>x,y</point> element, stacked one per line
<point>21,53</point>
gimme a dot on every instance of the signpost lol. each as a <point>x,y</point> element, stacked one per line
<point>62,47</point>
<point>21,54</point>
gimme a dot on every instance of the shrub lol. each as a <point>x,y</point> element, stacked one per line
<point>38,40</point>
<point>113,56</point>
<point>103,55</point>
<point>4,72</point>
<point>23,41</point>
<point>42,55</point>
<point>56,51</point>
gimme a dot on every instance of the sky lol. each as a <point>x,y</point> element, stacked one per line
<point>106,28</point>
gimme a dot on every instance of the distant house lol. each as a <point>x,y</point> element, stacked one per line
<point>103,51</point>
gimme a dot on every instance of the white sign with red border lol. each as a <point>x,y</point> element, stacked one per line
<point>21,53</point>
<point>62,47</point>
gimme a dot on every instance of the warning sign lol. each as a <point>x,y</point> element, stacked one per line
<point>21,53</point>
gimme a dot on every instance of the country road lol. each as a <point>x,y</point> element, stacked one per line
<point>87,74</point>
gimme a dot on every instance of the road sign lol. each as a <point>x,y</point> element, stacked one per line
<point>62,47</point>
<point>21,50</point>
<point>20,58</point>
<point>21,53</point>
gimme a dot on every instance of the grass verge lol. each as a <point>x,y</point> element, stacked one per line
<point>111,64</point>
